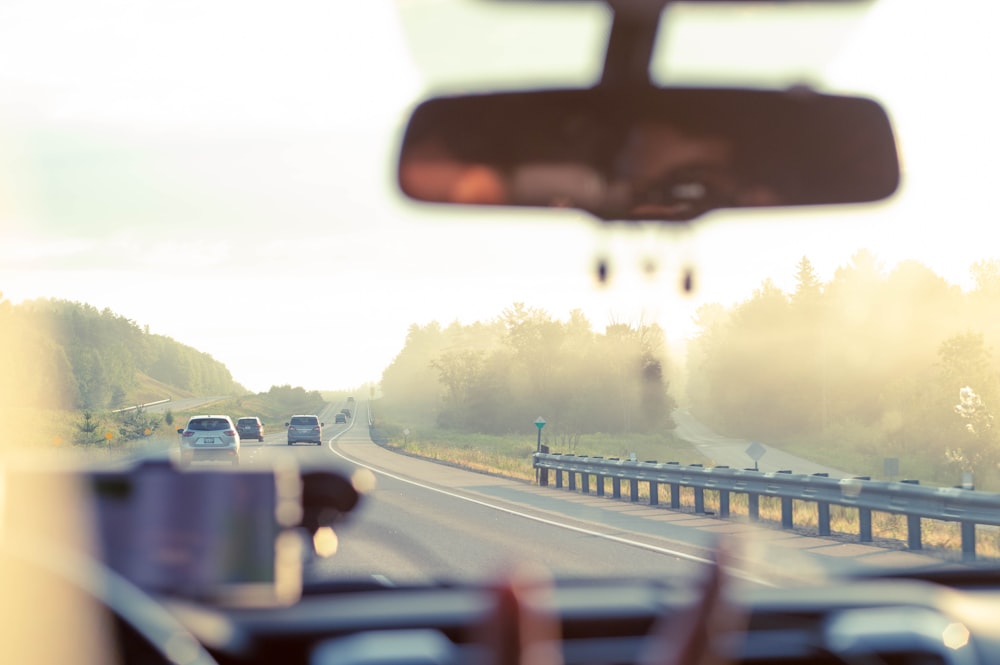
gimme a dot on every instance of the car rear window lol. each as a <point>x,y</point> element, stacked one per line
<point>208,425</point>
<point>247,421</point>
<point>305,420</point>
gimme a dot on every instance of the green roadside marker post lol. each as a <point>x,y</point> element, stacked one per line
<point>541,475</point>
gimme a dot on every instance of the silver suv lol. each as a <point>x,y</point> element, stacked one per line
<point>307,429</point>
<point>210,438</point>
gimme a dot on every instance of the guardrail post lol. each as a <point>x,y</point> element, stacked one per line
<point>864,525</point>
<point>600,485</point>
<point>864,518</point>
<point>585,478</point>
<point>914,537</point>
<point>572,480</point>
<point>723,497</point>
<point>559,479</point>
<point>543,474</point>
<point>654,488</point>
<point>823,517</point>
<point>675,492</point>
<point>616,488</point>
<point>633,493</point>
<point>699,496</point>
<point>968,541</point>
<point>723,503</point>
<point>753,506</point>
<point>786,507</point>
<point>823,512</point>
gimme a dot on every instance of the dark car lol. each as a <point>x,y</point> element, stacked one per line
<point>250,428</point>
<point>340,418</point>
<point>346,412</point>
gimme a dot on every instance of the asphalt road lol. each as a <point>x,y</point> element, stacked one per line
<point>731,452</point>
<point>432,521</point>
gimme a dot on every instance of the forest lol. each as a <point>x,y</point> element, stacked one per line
<point>497,377</point>
<point>70,355</point>
<point>872,364</point>
<point>884,363</point>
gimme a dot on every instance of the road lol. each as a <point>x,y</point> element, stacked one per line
<point>730,452</point>
<point>432,521</point>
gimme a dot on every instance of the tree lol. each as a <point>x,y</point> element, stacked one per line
<point>807,286</point>
<point>979,451</point>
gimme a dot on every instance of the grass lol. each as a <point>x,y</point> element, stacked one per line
<point>237,407</point>
<point>510,456</point>
<point>888,529</point>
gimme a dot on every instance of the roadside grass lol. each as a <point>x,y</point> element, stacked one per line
<point>510,456</point>
<point>49,434</point>
<point>864,459</point>
<point>236,408</point>
<point>148,389</point>
<point>33,429</point>
<point>888,529</point>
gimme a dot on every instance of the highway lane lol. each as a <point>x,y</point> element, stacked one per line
<point>427,520</point>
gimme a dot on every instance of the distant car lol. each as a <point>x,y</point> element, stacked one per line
<point>350,399</point>
<point>346,412</point>
<point>340,418</point>
<point>210,438</point>
<point>305,429</point>
<point>250,428</point>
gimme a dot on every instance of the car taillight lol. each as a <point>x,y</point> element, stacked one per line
<point>316,429</point>
<point>291,429</point>
<point>229,432</point>
<point>188,433</point>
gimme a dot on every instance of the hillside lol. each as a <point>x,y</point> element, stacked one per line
<point>70,355</point>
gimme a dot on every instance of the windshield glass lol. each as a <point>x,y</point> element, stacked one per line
<point>168,167</point>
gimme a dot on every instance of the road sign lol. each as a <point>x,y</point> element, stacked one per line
<point>540,423</point>
<point>890,467</point>
<point>755,451</point>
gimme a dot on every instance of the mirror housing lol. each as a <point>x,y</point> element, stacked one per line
<point>645,153</point>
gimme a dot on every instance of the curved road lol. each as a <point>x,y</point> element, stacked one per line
<point>432,521</point>
<point>723,450</point>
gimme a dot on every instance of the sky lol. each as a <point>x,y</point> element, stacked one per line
<point>221,171</point>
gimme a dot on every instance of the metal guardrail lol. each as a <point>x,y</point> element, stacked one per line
<point>916,502</point>
<point>140,406</point>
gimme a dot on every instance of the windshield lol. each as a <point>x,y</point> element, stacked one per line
<point>167,168</point>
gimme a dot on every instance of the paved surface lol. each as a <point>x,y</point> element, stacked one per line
<point>767,553</point>
<point>723,450</point>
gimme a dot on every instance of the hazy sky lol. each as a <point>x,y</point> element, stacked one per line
<point>221,170</point>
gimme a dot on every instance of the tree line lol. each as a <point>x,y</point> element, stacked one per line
<point>892,363</point>
<point>498,376</point>
<point>71,355</point>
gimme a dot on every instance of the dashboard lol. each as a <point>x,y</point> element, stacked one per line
<point>608,623</point>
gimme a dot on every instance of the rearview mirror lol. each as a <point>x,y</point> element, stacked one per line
<point>648,153</point>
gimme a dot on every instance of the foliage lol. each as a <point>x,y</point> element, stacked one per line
<point>90,430</point>
<point>71,355</point>
<point>273,407</point>
<point>901,356</point>
<point>497,377</point>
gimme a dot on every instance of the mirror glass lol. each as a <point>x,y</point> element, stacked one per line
<point>649,154</point>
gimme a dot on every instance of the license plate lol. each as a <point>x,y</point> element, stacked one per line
<point>209,439</point>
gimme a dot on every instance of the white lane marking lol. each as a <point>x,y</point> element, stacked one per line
<point>549,522</point>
